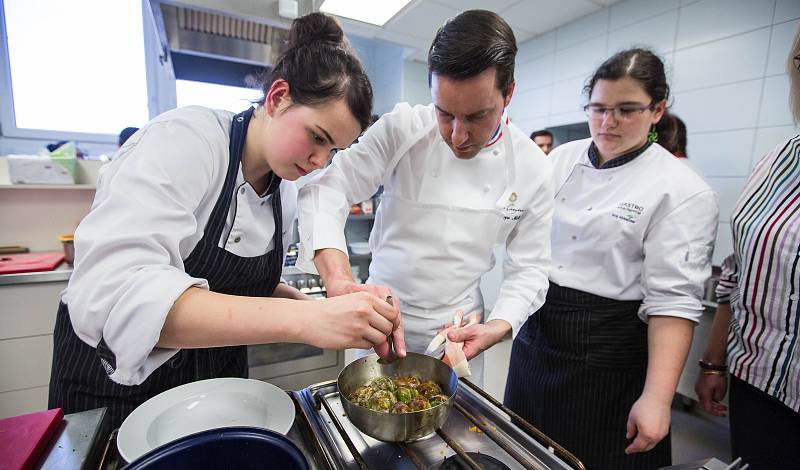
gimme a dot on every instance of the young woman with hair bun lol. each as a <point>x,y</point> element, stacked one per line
<point>178,263</point>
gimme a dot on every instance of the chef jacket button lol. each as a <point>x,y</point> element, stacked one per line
<point>563,199</point>
<point>574,237</point>
<point>589,208</point>
<point>487,188</point>
<point>237,239</point>
<point>241,191</point>
<point>496,152</point>
<point>263,202</point>
<point>561,267</point>
<point>793,297</point>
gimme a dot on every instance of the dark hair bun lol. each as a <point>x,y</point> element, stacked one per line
<point>315,27</point>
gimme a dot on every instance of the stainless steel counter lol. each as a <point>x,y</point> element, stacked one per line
<point>61,273</point>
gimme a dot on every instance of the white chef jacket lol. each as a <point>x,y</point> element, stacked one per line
<point>447,181</point>
<point>150,210</point>
<point>644,230</point>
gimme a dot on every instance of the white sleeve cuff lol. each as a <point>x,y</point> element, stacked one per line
<point>689,310</point>
<point>513,311</point>
<point>132,333</point>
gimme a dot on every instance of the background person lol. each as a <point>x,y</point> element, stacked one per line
<point>633,231</point>
<point>544,139</point>
<point>125,134</point>
<point>671,132</point>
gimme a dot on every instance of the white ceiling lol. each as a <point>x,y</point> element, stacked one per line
<point>415,26</point>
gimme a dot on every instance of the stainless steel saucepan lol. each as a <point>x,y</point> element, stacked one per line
<point>397,427</point>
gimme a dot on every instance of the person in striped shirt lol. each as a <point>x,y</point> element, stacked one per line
<point>758,311</point>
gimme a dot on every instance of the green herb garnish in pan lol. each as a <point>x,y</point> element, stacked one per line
<point>399,395</point>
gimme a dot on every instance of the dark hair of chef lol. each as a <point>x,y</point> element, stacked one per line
<point>473,42</point>
<point>641,65</point>
<point>320,65</point>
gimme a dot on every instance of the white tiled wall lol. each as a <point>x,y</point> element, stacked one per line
<point>726,64</point>
<point>415,83</point>
<point>383,62</point>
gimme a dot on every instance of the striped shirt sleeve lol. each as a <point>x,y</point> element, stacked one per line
<point>728,280</point>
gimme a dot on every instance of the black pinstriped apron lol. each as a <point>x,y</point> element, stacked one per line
<point>79,376</point>
<point>577,367</point>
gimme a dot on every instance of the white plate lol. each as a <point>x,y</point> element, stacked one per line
<point>202,405</point>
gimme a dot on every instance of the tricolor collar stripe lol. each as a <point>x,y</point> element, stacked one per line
<point>499,132</point>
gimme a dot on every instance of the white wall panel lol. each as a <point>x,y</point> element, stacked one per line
<point>415,83</point>
<point>580,30</point>
<point>724,246</point>
<point>567,96</point>
<point>536,47</point>
<point>728,190</point>
<point>566,118</point>
<point>780,46</point>
<point>729,60</point>
<point>531,104</point>
<point>775,109</point>
<point>709,20</point>
<point>720,108</point>
<point>634,11</point>
<point>529,125</point>
<point>722,153</point>
<point>657,33</point>
<point>535,73</point>
<point>768,138</point>
<point>579,60</point>
<point>787,10</point>
<point>33,357</point>
<point>20,402</point>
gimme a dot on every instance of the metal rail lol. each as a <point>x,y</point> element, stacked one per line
<point>348,442</point>
<point>561,452</point>
<point>499,440</point>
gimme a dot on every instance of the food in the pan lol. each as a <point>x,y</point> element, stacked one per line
<point>398,395</point>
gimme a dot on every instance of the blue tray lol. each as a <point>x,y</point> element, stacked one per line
<point>240,448</point>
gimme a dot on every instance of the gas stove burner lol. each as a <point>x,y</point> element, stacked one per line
<point>486,462</point>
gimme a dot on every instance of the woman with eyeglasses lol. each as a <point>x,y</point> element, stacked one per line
<point>752,352</point>
<point>633,231</point>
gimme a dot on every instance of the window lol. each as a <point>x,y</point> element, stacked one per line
<point>215,96</point>
<point>75,66</point>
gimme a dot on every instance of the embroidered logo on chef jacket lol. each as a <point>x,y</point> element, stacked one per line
<point>628,211</point>
<point>513,213</point>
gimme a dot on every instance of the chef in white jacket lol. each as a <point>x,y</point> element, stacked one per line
<point>458,179</point>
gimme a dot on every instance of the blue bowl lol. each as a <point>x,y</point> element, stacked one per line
<point>240,448</point>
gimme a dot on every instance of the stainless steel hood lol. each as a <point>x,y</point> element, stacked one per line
<point>196,29</point>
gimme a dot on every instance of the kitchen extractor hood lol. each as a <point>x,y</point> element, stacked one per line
<point>242,31</point>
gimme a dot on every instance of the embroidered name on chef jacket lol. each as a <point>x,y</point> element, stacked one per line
<point>628,211</point>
